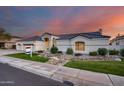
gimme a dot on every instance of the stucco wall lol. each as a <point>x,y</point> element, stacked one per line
<point>90,44</point>
<point>63,45</point>
<point>50,37</point>
<point>38,45</point>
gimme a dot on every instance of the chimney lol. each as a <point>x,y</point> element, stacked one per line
<point>118,35</point>
<point>100,30</point>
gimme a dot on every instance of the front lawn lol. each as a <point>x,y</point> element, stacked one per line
<point>34,57</point>
<point>116,68</point>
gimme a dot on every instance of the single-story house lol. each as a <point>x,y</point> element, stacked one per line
<point>79,42</point>
<point>9,44</point>
<point>117,42</point>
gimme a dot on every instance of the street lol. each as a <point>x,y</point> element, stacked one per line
<point>10,76</point>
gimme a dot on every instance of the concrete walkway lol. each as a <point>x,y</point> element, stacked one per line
<point>8,51</point>
<point>60,73</point>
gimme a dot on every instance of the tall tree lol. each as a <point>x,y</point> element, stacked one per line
<point>4,35</point>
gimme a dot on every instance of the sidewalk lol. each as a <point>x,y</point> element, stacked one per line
<point>60,73</point>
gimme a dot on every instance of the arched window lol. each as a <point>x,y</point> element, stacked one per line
<point>46,39</point>
<point>79,46</point>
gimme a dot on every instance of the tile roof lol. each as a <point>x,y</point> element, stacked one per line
<point>34,38</point>
<point>87,35</point>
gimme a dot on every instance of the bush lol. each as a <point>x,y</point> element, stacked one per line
<point>122,52</point>
<point>54,50</point>
<point>69,51</point>
<point>102,51</point>
<point>113,52</point>
<point>94,53</point>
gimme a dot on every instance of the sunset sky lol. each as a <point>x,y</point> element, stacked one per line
<point>28,21</point>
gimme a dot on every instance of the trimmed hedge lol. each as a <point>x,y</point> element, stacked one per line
<point>113,52</point>
<point>54,50</point>
<point>102,51</point>
<point>94,53</point>
<point>69,51</point>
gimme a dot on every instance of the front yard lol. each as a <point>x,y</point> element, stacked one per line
<point>34,57</point>
<point>109,67</point>
<point>116,68</point>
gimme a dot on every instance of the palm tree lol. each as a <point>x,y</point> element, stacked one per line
<point>4,35</point>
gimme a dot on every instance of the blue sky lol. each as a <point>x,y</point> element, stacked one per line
<point>28,21</point>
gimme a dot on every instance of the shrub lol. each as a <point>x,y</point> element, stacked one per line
<point>54,50</point>
<point>69,51</point>
<point>94,53</point>
<point>102,51</point>
<point>113,52</point>
<point>122,52</point>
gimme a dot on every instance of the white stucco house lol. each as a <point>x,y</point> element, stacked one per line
<point>79,42</point>
<point>117,42</point>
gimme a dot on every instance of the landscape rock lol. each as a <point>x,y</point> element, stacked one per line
<point>117,59</point>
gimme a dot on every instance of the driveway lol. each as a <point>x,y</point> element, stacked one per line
<point>10,76</point>
<point>8,51</point>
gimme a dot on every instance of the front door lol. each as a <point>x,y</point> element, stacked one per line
<point>47,42</point>
<point>79,46</point>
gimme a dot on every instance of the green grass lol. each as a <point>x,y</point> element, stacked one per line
<point>27,57</point>
<point>116,68</point>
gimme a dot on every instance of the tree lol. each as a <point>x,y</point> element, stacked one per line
<point>4,35</point>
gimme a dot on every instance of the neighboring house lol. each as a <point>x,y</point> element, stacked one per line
<point>79,42</point>
<point>9,44</point>
<point>117,43</point>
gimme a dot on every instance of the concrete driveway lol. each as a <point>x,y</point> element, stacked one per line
<point>8,51</point>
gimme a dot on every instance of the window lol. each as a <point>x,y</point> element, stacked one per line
<point>80,46</point>
<point>46,39</point>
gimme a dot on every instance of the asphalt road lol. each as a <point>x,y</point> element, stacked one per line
<point>10,76</point>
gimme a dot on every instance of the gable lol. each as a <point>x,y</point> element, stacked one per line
<point>79,37</point>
